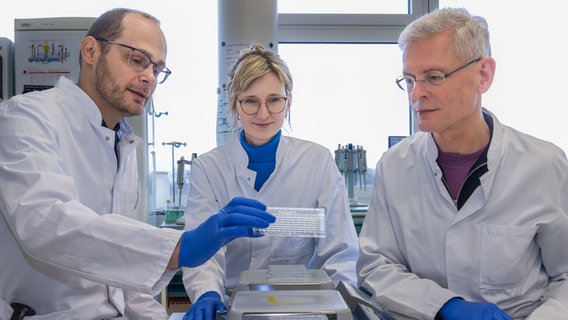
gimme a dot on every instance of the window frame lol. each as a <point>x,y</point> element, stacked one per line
<point>349,28</point>
<point>308,28</point>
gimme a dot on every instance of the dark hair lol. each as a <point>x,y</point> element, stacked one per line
<point>109,24</point>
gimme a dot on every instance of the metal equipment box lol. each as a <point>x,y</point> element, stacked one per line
<point>46,49</point>
<point>289,304</point>
<point>267,279</point>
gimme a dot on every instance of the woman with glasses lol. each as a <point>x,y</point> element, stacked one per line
<point>468,219</point>
<point>276,169</point>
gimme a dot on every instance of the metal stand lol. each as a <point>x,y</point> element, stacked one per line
<point>180,173</point>
<point>174,144</point>
<point>352,163</point>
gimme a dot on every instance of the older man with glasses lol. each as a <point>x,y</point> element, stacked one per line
<point>468,217</point>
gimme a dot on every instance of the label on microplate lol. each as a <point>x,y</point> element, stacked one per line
<point>295,222</point>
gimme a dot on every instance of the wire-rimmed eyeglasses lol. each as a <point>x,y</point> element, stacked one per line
<point>140,61</point>
<point>433,78</point>
<point>274,105</point>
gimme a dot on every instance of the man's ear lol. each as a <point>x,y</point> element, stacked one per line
<point>90,50</point>
<point>487,73</point>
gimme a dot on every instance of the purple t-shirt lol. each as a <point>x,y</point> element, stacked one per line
<point>456,167</point>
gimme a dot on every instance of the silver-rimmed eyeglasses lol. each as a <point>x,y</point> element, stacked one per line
<point>140,61</point>
<point>433,78</point>
<point>274,105</point>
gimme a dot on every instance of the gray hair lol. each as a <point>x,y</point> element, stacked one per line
<point>470,33</point>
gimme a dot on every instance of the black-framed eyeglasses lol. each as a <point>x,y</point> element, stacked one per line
<point>274,105</point>
<point>140,61</point>
<point>433,78</point>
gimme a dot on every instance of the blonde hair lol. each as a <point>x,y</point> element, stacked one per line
<point>253,63</point>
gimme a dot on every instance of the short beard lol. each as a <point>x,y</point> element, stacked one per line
<point>108,90</point>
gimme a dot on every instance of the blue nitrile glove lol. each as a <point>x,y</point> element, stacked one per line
<point>459,309</point>
<point>206,307</point>
<point>235,220</point>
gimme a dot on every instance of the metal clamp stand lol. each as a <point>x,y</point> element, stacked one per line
<point>174,144</point>
<point>352,163</point>
<point>180,173</point>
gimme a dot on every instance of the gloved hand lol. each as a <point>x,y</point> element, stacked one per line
<point>459,309</point>
<point>206,307</point>
<point>235,220</point>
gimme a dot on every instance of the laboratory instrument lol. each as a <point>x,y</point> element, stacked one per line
<point>294,292</point>
<point>174,144</point>
<point>352,163</point>
<point>284,277</point>
<point>6,68</point>
<point>287,291</point>
<point>392,140</point>
<point>289,304</point>
<point>181,172</point>
<point>46,49</point>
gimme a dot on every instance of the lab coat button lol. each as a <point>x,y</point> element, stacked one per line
<point>107,138</point>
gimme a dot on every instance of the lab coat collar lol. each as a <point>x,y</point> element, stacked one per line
<point>90,109</point>
<point>88,106</point>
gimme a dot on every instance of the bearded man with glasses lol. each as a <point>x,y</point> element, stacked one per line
<point>72,246</point>
<point>469,218</point>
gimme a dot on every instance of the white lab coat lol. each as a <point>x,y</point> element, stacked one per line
<point>507,245</point>
<point>306,176</point>
<point>62,251</point>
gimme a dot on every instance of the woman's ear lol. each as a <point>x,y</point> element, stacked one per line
<point>289,101</point>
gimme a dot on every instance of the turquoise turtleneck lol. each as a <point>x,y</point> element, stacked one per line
<point>262,159</point>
